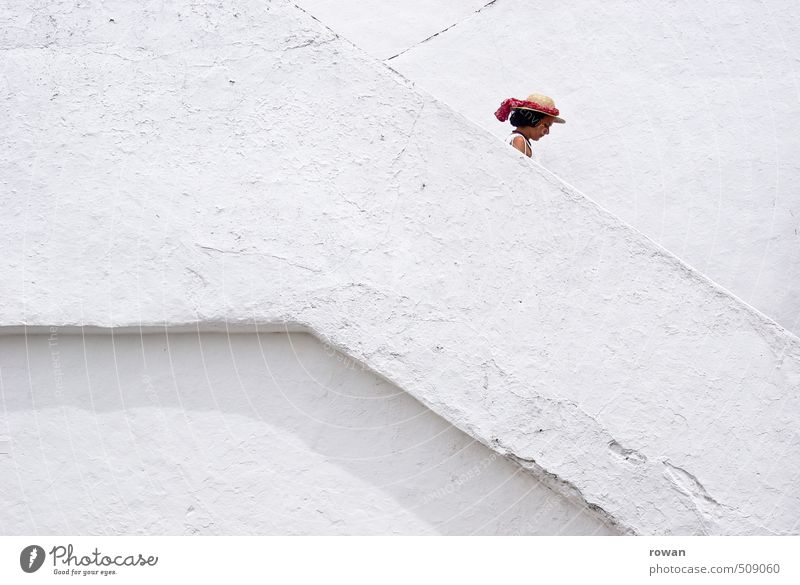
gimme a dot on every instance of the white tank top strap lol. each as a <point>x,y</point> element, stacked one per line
<point>513,135</point>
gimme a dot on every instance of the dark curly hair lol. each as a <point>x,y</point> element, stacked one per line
<point>521,118</point>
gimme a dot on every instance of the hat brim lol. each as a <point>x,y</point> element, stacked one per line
<point>556,119</point>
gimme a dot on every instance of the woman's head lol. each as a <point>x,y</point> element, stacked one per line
<point>531,124</point>
<point>532,117</point>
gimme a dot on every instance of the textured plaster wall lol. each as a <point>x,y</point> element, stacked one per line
<point>159,168</point>
<point>683,116</point>
<point>384,28</point>
<point>242,434</point>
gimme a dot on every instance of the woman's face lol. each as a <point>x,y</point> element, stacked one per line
<point>542,128</point>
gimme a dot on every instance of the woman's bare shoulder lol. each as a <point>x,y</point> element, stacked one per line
<point>521,144</point>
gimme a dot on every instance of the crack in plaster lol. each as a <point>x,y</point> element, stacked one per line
<point>688,483</point>
<point>630,455</point>
<point>567,409</point>
<point>410,136</point>
<point>442,31</point>
<point>220,250</point>
<point>329,29</point>
<point>244,252</point>
<point>198,275</point>
<point>562,486</point>
<point>312,41</point>
<point>706,508</point>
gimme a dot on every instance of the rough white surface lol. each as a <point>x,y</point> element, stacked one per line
<point>242,434</point>
<point>683,117</point>
<point>173,178</point>
<point>384,28</point>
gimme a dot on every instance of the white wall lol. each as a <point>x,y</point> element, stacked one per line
<point>386,28</point>
<point>682,117</point>
<point>242,434</point>
<point>160,171</point>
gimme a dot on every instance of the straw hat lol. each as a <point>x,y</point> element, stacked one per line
<point>535,102</point>
<point>543,104</point>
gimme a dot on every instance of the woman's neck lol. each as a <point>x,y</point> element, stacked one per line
<point>522,132</point>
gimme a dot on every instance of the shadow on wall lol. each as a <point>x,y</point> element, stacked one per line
<point>242,434</point>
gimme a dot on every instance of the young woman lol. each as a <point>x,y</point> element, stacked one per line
<point>531,118</point>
